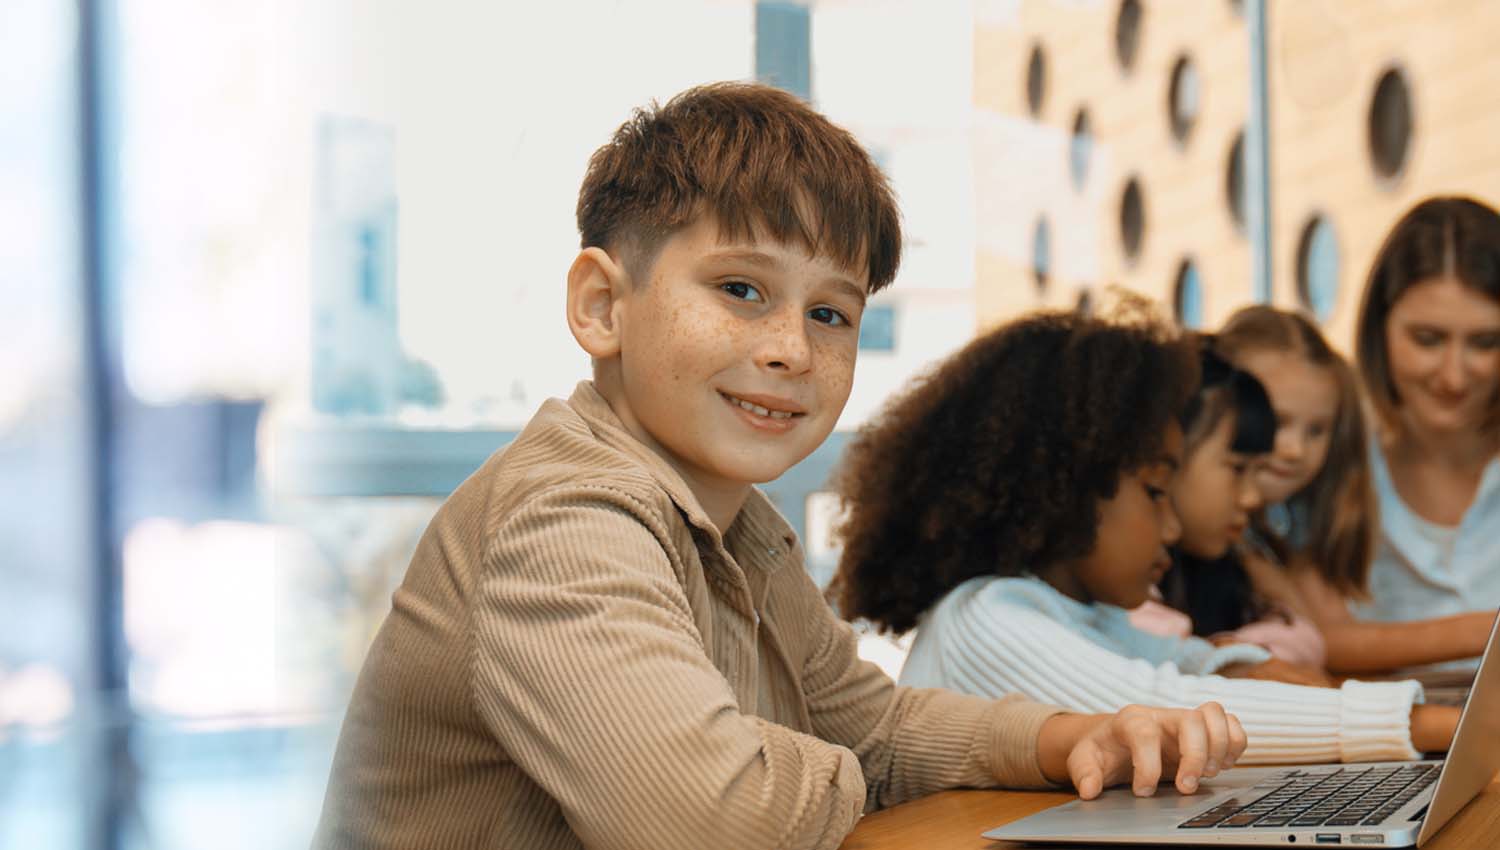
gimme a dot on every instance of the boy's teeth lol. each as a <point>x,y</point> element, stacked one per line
<point>761,411</point>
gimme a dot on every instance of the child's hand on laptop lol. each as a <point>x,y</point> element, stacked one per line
<point>1140,744</point>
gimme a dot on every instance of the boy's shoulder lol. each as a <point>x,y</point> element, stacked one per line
<point>569,446</point>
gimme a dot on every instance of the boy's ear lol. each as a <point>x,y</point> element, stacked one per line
<point>597,283</point>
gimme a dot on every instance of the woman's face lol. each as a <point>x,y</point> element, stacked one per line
<point>1443,342</point>
<point>1306,399</point>
<point>1214,493</point>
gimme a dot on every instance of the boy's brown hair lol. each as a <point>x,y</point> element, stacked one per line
<point>757,159</point>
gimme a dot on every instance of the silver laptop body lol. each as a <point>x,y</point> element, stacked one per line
<point>1391,804</point>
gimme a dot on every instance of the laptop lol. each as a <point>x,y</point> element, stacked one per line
<point>1376,804</point>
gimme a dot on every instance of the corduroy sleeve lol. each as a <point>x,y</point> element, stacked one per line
<point>589,669</point>
<point>916,741</point>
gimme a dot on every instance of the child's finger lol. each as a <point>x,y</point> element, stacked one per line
<point>1192,749</point>
<point>1216,720</point>
<point>1085,771</point>
<point>1238,740</point>
<point>1140,731</point>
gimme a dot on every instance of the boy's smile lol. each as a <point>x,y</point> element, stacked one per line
<point>735,359</point>
<point>771,413</point>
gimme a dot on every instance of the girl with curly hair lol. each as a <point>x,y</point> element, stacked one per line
<point>1318,530</point>
<point>1012,505</point>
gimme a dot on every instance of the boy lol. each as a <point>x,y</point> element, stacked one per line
<point>606,637</point>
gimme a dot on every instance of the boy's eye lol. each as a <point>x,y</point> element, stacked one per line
<point>741,290</point>
<point>828,316</point>
<point>1156,494</point>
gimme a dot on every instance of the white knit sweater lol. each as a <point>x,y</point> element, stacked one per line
<point>994,636</point>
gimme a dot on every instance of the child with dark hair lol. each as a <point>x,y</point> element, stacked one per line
<point>1012,505</point>
<point>1229,427</point>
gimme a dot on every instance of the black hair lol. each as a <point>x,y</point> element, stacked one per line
<point>1225,389</point>
<point>995,461</point>
<point>1216,592</point>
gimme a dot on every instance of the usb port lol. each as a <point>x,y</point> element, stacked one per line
<point>1327,838</point>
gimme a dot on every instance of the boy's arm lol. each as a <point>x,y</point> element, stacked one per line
<point>590,671</point>
<point>913,741</point>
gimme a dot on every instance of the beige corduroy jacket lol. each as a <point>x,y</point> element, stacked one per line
<point>577,658</point>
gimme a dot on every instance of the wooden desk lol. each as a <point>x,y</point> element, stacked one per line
<point>954,819</point>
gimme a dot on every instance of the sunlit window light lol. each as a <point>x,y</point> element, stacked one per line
<point>201,613</point>
<point>37,698</point>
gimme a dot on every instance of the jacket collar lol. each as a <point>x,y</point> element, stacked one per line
<point>758,525</point>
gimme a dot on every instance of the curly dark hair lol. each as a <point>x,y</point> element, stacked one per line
<point>994,463</point>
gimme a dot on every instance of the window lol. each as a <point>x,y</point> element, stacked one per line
<point>1036,80</point>
<point>1182,99</point>
<point>1080,148</point>
<point>1132,220</point>
<point>1390,124</point>
<point>1187,295</point>
<point>783,46</point>
<point>1041,254</point>
<point>1318,267</point>
<point>1234,181</point>
<point>1127,33</point>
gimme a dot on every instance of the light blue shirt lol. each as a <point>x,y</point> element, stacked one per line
<point>1424,570</point>
<point>994,636</point>
<point>1002,600</point>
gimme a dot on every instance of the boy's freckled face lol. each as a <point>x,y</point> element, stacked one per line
<point>736,359</point>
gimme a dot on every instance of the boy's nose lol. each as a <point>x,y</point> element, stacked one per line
<point>785,346</point>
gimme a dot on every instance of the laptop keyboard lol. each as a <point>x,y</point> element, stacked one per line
<point>1350,796</point>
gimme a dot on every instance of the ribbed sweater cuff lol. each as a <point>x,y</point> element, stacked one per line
<point>1015,726</point>
<point>1375,720</point>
